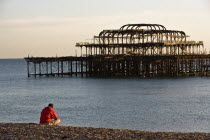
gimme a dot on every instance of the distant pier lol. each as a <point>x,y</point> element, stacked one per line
<point>139,50</point>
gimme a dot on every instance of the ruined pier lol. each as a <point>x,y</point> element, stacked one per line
<point>139,50</point>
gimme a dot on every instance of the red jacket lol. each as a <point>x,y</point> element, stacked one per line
<point>47,114</point>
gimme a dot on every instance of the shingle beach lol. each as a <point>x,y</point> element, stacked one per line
<point>24,131</point>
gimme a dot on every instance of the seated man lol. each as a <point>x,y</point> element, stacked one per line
<point>47,114</point>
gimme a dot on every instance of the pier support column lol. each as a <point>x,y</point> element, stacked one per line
<point>51,67</point>
<point>40,69</point>
<point>28,69</point>
<point>71,70</point>
<point>47,69</point>
<point>34,69</point>
<point>86,65</point>
<point>76,68</point>
<point>62,68</point>
<point>81,68</point>
<point>58,67</point>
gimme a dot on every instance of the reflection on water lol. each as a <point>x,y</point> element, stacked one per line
<point>129,103</point>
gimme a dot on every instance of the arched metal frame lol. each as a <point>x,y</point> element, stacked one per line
<point>142,39</point>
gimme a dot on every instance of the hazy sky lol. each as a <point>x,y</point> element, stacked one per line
<point>53,27</point>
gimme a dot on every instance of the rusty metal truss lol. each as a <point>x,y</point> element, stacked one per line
<point>142,39</point>
<point>140,50</point>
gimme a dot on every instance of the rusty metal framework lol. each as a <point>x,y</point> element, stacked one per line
<point>140,50</point>
<point>142,39</point>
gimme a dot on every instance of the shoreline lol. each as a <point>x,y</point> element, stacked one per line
<point>37,131</point>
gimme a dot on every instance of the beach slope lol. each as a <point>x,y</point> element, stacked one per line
<point>35,131</point>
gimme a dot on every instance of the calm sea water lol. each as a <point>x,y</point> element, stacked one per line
<point>179,104</point>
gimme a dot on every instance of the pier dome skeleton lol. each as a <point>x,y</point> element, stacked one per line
<point>142,39</point>
<point>140,50</point>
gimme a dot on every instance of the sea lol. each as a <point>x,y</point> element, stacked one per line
<point>155,104</point>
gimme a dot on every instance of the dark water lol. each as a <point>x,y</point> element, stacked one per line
<point>180,105</point>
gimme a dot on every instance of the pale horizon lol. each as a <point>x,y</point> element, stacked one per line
<point>52,28</point>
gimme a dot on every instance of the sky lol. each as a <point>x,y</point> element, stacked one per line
<point>52,27</point>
